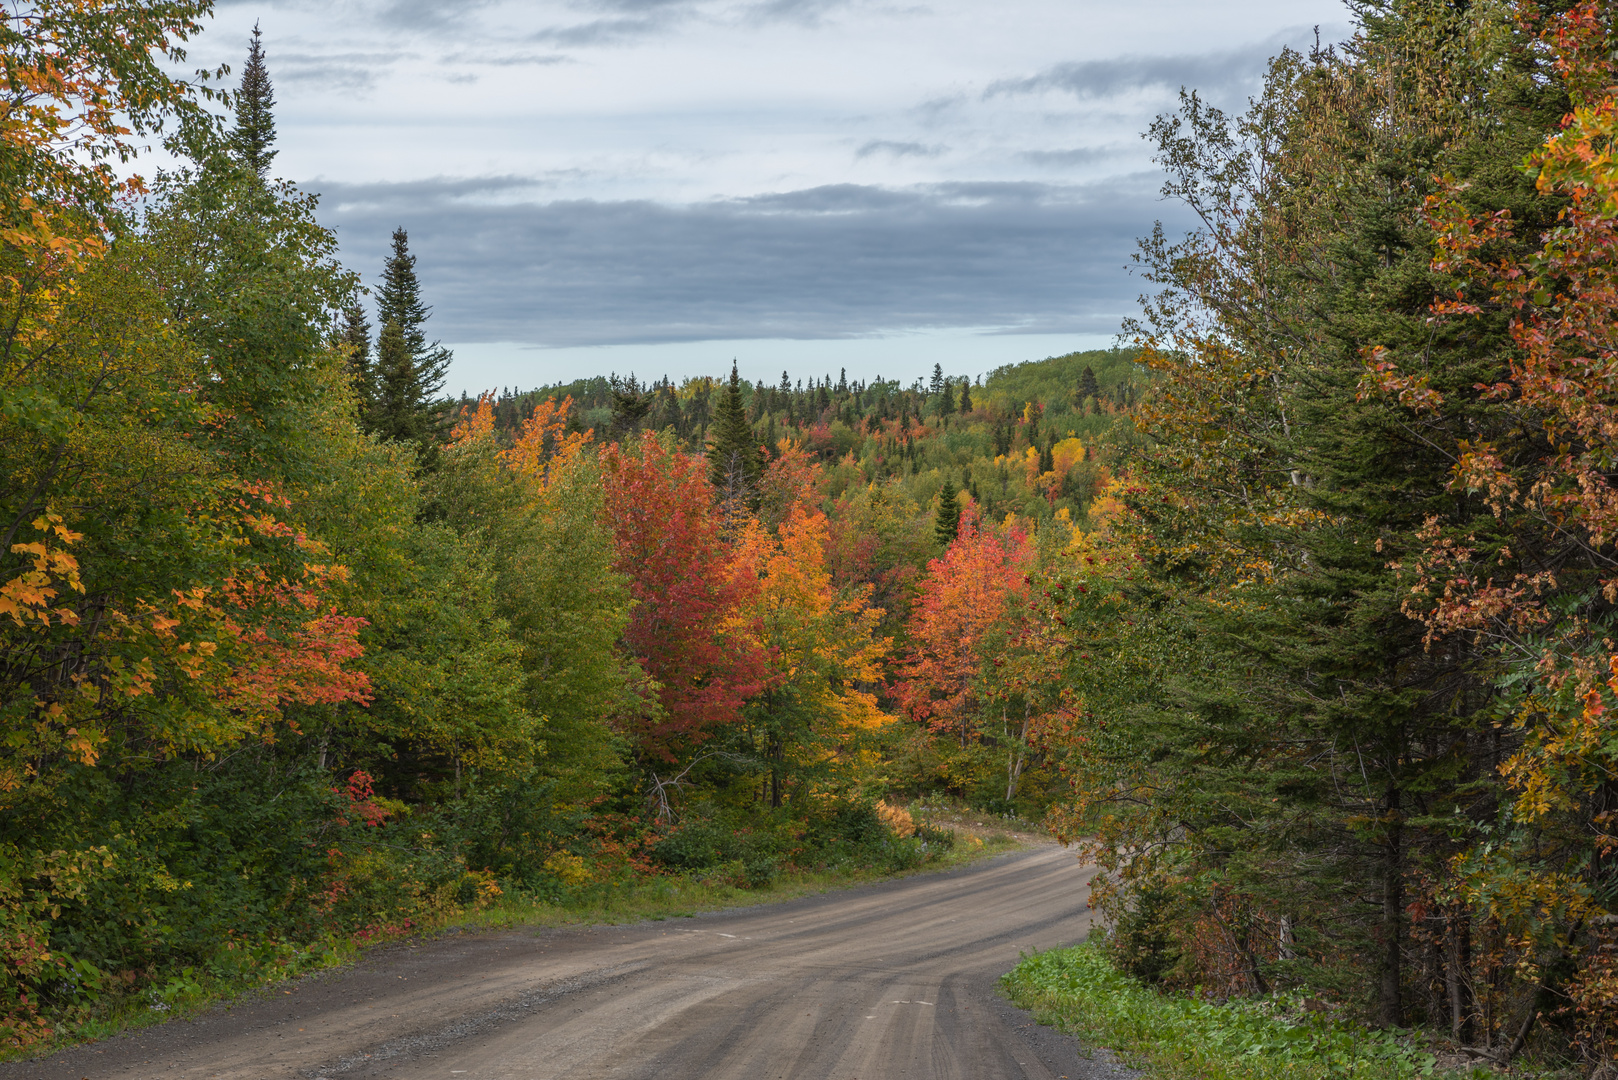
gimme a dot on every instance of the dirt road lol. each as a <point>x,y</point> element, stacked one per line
<point>887,982</point>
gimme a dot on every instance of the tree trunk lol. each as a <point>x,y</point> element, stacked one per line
<point>1458,962</point>
<point>1390,1004</point>
<point>1015,759</point>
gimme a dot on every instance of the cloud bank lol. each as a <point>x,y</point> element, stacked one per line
<point>834,261</point>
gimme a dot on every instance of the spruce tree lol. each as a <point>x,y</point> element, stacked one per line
<point>947,405</point>
<point>947,525</point>
<point>399,301</point>
<point>1088,387</point>
<point>937,385</point>
<point>630,404</point>
<point>356,336</point>
<point>966,395</point>
<point>399,413</point>
<point>734,462</point>
<point>255,118</point>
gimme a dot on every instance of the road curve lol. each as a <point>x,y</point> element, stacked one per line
<point>894,981</point>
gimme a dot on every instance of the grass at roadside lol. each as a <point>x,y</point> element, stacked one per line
<point>622,900</point>
<point>1175,1037</point>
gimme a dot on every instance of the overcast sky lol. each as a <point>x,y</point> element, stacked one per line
<point>662,185</point>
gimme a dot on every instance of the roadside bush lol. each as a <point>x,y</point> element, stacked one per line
<point>709,838</point>
<point>750,846</point>
<point>1142,942</point>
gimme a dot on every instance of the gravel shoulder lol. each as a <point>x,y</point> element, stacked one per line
<point>884,982</point>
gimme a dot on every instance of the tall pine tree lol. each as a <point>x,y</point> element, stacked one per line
<point>255,117</point>
<point>399,304</point>
<point>947,526</point>
<point>355,334</point>
<point>399,412</point>
<point>1088,387</point>
<point>734,461</point>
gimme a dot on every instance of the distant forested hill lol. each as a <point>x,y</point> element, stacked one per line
<point>1031,439</point>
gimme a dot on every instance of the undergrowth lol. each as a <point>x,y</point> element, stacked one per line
<point>1178,1037</point>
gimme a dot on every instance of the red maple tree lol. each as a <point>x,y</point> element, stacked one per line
<point>687,628</point>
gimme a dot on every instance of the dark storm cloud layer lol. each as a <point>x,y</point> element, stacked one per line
<point>834,261</point>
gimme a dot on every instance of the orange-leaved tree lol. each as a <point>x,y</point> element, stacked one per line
<point>822,651</point>
<point>964,626</point>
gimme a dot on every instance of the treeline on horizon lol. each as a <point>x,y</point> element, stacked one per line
<point>1031,439</point>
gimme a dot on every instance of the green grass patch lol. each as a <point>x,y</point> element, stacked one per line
<point>1177,1037</point>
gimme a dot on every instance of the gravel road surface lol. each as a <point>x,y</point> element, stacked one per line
<point>894,981</point>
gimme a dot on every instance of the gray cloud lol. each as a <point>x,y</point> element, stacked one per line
<point>803,12</point>
<point>629,21</point>
<point>478,59</point>
<point>1064,159</point>
<point>1215,74</point>
<point>429,14</point>
<point>834,261</point>
<point>434,192</point>
<point>899,149</point>
<point>616,31</point>
<point>637,7</point>
<point>341,71</point>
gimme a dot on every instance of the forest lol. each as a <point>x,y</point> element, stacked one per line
<point>1293,612</point>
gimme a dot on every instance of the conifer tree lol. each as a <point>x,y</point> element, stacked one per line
<point>734,462</point>
<point>399,303</point>
<point>398,412</point>
<point>1088,387</point>
<point>255,119</point>
<point>966,395</point>
<point>356,335</point>
<point>947,405</point>
<point>948,523</point>
<point>937,385</point>
<point>630,404</point>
